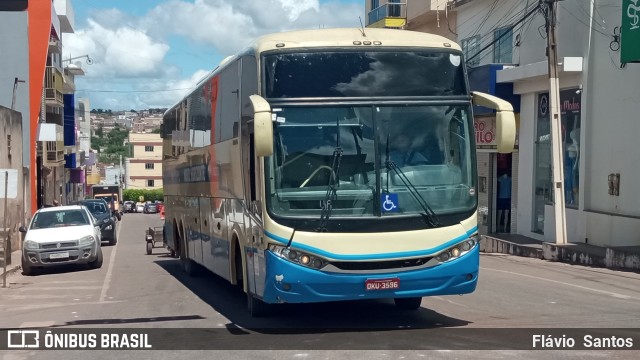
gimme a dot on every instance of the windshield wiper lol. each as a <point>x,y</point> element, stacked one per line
<point>334,178</point>
<point>428,215</point>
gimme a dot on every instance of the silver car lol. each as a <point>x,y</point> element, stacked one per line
<point>61,235</point>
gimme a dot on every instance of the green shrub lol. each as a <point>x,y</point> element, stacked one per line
<point>149,195</point>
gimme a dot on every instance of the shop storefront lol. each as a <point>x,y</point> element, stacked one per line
<point>497,179</point>
<point>570,117</point>
<point>497,173</point>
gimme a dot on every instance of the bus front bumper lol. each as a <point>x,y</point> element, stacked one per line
<point>287,282</point>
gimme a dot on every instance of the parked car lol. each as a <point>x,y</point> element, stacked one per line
<point>61,235</point>
<point>129,206</point>
<point>140,207</point>
<point>150,208</point>
<point>104,218</point>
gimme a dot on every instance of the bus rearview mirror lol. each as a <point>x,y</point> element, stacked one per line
<point>262,126</point>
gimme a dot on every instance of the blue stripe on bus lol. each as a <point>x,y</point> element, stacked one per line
<point>415,253</point>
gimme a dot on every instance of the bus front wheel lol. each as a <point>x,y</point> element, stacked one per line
<point>410,303</point>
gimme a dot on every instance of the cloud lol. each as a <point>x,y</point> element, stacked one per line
<point>229,26</point>
<point>142,53</point>
<point>122,52</point>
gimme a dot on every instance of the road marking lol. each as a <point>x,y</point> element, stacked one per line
<point>37,324</point>
<point>616,295</point>
<point>27,297</point>
<point>450,301</point>
<point>107,279</point>
<point>66,288</point>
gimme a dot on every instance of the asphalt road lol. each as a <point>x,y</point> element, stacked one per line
<point>135,290</point>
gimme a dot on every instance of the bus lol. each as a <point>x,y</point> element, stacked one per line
<point>286,170</point>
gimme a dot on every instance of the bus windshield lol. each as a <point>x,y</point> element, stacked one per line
<point>430,144</point>
<point>364,74</point>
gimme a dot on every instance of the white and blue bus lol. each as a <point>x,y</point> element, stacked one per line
<point>331,164</point>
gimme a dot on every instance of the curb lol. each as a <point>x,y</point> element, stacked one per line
<point>493,245</point>
<point>611,258</point>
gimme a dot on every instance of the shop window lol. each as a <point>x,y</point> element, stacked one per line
<point>570,119</point>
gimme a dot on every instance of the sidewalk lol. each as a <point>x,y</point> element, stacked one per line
<point>15,265</point>
<point>623,257</point>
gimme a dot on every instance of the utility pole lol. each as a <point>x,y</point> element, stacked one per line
<point>549,8</point>
<point>15,88</point>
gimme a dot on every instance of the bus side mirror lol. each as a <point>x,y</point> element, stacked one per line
<point>505,120</point>
<point>262,126</point>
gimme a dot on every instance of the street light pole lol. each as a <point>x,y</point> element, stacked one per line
<point>556,125</point>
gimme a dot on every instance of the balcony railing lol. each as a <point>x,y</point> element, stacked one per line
<point>52,137</point>
<point>54,85</point>
<point>55,46</point>
<point>393,14</point>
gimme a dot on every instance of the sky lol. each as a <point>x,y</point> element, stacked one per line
<point>150,53</point>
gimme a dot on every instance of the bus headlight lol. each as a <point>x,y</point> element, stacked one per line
<point>298,257</point>
<point>458,250</point>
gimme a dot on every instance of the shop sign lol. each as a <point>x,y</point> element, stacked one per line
<point>630,32</point>
<point>485,129</point>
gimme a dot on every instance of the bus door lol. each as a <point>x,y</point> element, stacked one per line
<point>194,232</point>
<point>254,239</point>
<point>220,241</point>
<point>208,236</point>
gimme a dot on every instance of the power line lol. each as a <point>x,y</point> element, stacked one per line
<point>515,30</point>
<point>485,39</point>
<point>585,24</point>
<point>493,7</point>
<point>509,30</point>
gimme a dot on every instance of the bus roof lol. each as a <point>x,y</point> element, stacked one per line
<point>339,37</point>
<point>347,37</point>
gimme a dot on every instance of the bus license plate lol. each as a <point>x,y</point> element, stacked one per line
<point>382,284</point>
<point>60,255</point>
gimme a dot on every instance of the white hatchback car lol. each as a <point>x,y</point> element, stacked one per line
<point>61,235</point>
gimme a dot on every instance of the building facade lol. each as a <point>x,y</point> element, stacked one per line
<point>11,162</point>
<point>43,86</point>
<point>505,49</point>
<point>144,168</point>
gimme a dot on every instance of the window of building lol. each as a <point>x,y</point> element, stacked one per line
<point>148,148</point>
<point>570,105</point>
<point>149,166</point>
<point>150,183</point>
<point>470,47</point>
<point>503,48</point>
<point>375,4</point>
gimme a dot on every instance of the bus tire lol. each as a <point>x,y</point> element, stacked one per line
<point>188,266</point>
<point>409,303</point>
<point>257,307</point>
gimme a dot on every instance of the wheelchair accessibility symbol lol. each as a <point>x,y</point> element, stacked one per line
<point>389,202</point>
